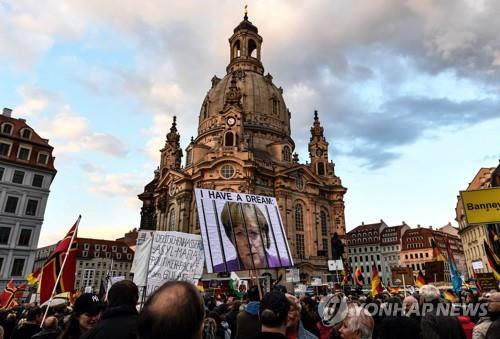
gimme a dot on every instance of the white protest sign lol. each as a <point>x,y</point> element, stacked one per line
<point>141,257</point>
<point>292,275</point>
<point>335,265</point>
<point>316,281</point>
<point>477,264</point>
<point>174,256</point>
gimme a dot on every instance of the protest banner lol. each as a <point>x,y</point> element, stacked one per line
<point>481,206</point>
<point>292,275</point>
<point>141,257</point>
<point>486,281</point>
<point>174,256</point>
<point>434,271</point>
<point>241,231</point>
<point>402,273</point>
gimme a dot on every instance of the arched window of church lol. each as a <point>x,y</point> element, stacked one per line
<point>236,49</point>
<point>188,157</point>
<point>299,182</point>
<point>229,139</point>
<point>286,153</point>
<point>321,168</point>
<point>276,106</point>
<point>299,218</point>
<point>323,222</point>
<point>172,219</point>
<point>205,110</point>
<point>252,48</point>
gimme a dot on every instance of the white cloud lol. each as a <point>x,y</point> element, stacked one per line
<point>123,186</point>
<point>105,143</point>
<point>70,132</point>
<point>157,135</point>
<point>33,101</point>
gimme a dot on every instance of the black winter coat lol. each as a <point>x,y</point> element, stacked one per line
<point>433,326</point>
<point>116,322</point>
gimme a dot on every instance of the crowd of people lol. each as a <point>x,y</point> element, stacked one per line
<point>178,310</point>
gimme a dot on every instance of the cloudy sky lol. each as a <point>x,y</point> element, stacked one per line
<point>408,92</point>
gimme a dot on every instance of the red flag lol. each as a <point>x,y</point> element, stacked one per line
<point>52,267</point>
<point>10,294</point>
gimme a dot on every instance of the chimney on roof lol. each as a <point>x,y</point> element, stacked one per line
<point>418,225</point>
<point>404,222</point>
<point>7,112</point>
<point>430,227</point>
<point>362,223</point>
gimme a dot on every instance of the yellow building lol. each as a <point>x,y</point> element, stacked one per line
<point>244,144</point>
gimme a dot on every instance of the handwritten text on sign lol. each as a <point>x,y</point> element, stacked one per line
<point>174,256</point>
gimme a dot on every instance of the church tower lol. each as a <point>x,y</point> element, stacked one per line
<point>318,148</point>
<point>244,144</point>
<point>171,153</point>
<point>245,46</point>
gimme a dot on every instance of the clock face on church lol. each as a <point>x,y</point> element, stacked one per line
<point>231,121</point>
<point>319,152</point>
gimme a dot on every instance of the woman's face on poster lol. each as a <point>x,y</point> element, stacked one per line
<point>250,243</point>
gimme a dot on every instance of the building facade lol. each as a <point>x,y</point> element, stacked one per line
<point>94,259</point>
<point>390,248</point>
<point>26,173</point>
<point>417,249</point>
<point>244,144</point>
<point>473,236</point>
<point>364,248</point>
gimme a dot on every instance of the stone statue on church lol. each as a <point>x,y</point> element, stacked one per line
<point>337,247</point>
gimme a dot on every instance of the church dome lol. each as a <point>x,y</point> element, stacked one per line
<point>245,24</point>
<point>261,102</point>
<point>261,109</point>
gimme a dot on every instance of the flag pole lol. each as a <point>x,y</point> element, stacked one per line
<point>144,296</point>
<point>60,271</point>
<point>404,285</point>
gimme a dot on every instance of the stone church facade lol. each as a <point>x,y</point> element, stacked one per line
<point>244,145</point>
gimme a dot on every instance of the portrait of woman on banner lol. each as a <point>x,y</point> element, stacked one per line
<point>253,238</point>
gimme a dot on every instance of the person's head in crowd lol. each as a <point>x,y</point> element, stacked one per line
<point>394,305</point>
<point>209,302</point>
<point>307,302</point>
<point>235,305</point>
<point>429,294</point>
<point>280,288</point>
<point>357,324</point>
<point>34,315</point>
<point>273,313</point>
<point>123,293</point>
<point>293,317</point>
<point>410,304</point>
<point>253,293</point>
<point>85,315</point>
<point>87,309</point>
<point>494,303</point>
<point>173,311</point>
<point>50,323</point>
<point>248,229</point>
